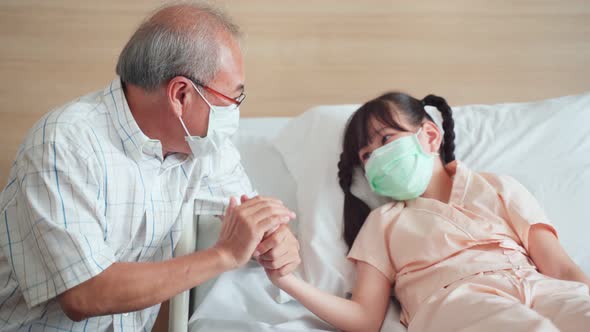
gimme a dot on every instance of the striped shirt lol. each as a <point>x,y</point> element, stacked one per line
<point>88,189</point>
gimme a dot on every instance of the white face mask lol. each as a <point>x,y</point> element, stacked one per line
<point>223,124</point>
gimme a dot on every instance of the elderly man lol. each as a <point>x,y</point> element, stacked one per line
<point>102,186</point>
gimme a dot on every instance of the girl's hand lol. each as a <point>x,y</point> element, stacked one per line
<point>277,279</point>
<point>279,250</point>
<point>364,312</point>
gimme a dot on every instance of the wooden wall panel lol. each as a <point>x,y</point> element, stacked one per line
<point>304,53</point>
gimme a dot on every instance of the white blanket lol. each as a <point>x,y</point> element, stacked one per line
<point>244,300</point>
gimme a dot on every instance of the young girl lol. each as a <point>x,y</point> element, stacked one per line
<point>463,250</point>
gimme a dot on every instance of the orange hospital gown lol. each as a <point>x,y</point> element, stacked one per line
<point>464,265</point>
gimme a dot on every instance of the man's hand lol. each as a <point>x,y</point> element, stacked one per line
<point>278,252</point>
<point>245,225</point>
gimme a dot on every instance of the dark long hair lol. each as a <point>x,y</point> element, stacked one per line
<point>386,109</point>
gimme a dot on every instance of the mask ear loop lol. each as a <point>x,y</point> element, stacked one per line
<point>180,118</point>
<point>211,109</point>
<point>200,94</point>
<point>183,126</point>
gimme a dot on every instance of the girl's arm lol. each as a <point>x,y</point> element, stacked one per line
<point>364,312</point>
<point>550,257</point>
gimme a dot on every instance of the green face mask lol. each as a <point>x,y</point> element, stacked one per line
<point>400,169</point>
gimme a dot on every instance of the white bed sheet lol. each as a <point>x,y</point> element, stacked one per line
<point>244,299</point>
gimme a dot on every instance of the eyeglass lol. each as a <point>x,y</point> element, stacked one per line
<point>234,101</point>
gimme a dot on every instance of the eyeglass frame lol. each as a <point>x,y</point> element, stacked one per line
<point>235,101</point>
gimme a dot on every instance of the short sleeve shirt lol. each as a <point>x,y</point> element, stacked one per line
<point>88,189</point>
<point>423,245</point>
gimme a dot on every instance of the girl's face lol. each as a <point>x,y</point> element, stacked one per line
<point>381,134</point>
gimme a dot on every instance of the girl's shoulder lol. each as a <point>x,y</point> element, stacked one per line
<point>478,185</point>
<point>387,213</point>
<point>500,182</point>
<point>467,177</point>
<point>509,190</point>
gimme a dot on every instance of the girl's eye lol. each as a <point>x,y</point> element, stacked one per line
<point>385,139</point>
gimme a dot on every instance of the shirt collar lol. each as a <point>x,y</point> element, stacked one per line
<point>135,142</point>
<point>461,175</point>
<point>461,178</point>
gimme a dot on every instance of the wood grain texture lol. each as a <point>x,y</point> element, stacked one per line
<point>305,53</point>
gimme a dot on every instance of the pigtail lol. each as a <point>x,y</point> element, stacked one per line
<point>355,210</point>
<point>447,151</point>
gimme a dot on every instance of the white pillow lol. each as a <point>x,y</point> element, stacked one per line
<point>310,145</point>
<point>362,190</point>
<point>543,144</point>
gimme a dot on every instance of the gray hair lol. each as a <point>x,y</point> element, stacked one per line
<point>183,39</point>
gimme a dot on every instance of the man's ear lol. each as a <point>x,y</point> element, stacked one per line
<point>178,94</point>
<point>434,135</point>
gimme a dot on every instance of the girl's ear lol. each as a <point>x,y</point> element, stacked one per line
<point>433,137</point>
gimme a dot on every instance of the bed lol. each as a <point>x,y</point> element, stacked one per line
<point>544,144</point>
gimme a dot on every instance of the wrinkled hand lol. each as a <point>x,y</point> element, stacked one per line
<point>278,252</point>
<point>245,225</point>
